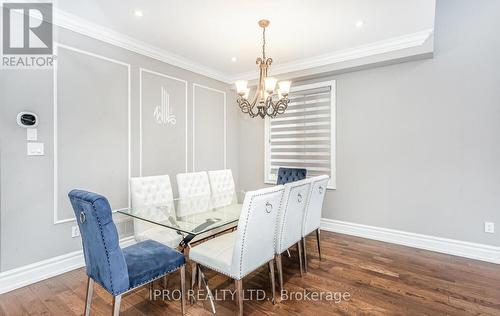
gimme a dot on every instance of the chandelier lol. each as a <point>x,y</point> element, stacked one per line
<point>267,99</point>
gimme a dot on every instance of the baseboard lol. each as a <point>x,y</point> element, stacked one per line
<point>38,271</point>
<point>448,246</point>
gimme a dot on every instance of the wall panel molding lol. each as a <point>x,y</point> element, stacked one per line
<point>57,47</point>
<point>144,70</point>
<point>195,85</point>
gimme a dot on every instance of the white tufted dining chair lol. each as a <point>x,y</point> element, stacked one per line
<point>194,193</point>
<point>312,216</point>
<point>152,197</point>
<point>290,220</point>
<point>223,188</point>
<point>238,253</point>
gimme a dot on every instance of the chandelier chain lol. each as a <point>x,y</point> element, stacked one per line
<point>264,43</point>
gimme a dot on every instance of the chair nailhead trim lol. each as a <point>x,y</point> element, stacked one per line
<point>103,241</point>
<point>240,276</point>
<point>284,213</point>
<point>105,247</point>
<point>150,280</point>
<point>246,222</point>
<point>307,208</point>
<point>109,264</point>
<point>216,269</point>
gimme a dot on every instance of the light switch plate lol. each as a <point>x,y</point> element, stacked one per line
<point>31,134</point>
<point>35,149</point>
<point>489,227</point>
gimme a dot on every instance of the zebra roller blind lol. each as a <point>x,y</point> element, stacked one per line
<point>303,137</point>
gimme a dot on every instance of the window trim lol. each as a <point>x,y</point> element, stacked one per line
<point>333,127</point>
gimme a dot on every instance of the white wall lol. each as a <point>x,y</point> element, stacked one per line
<point>418,142</point>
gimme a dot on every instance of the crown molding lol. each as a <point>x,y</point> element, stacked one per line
<point>367,50</point>
<point>85,27</point>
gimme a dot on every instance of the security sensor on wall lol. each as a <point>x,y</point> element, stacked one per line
<point>27,119</point>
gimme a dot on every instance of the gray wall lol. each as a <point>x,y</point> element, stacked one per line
<point>419,142</point>
<point>92,142</point>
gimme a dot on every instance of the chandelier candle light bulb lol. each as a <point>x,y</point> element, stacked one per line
<point>241,87</point>
<point>284,87</point>
<point>270,84</point>
<point>262,104</point>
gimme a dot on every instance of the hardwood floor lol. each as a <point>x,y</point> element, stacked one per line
<point>381,279</point>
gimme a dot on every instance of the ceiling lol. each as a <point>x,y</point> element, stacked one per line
<point>211,33</point>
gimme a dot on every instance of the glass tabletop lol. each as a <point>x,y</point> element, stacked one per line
<point>193,215</point>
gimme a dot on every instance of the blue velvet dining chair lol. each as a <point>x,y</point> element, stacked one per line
<point>118,270</point>
<point>287,175</point>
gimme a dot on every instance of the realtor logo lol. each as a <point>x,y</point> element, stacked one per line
<point>27,29</point>
<point>27,41</point>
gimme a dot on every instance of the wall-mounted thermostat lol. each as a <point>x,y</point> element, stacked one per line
<point>27,119</point>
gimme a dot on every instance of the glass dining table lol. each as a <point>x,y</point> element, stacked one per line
<point>193,218</point>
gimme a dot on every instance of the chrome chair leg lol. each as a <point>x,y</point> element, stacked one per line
<point>90,292</point>
<point>199,277</point>
<point>299,250</point>
<point>280,272</point>
<point>319,246</point>
<point>305,254</point>
<point>209,293</point>
<point>194,270</point>
<point>116,305</point>
<point>151,290</point>
<point>183,289</point>
<point>239,294</point>
<point>271,276</point>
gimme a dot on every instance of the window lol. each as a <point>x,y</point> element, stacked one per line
<point>304,136</point>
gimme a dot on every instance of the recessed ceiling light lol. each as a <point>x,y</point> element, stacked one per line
<point>138,13</point>
<point>359,23</point>
<point>233,59</point>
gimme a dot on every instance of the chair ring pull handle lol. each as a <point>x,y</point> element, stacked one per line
<point>269,207</point>
<point>299,198</point>
<point>320,190</point>
<point>83,217</point>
